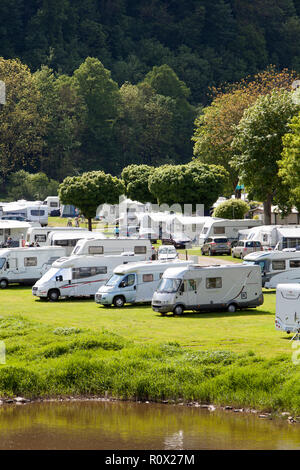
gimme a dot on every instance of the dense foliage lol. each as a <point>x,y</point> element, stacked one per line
<point>231,209</point>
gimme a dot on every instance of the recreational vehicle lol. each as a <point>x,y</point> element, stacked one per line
<point>275,266</point>
<point>14,229</point>
<point>32,211</point>
<point>39,234</point>
<point>135,282</point>
<point>279,236</point>
<point>95,245</point>
<point>287,316</point>
<point>69,239</point>
<point>225,227</point>
<point>207,288</point>
<point>26,265</point>
<point>167,252</point>
<point>52,202</point>
<point>78,276</point>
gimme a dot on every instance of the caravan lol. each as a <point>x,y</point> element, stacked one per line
<point>52,202</point>
<point>276,266</point>
<point>39,234</point>
<point>279,236</point>
<point>207,288</point>
<point>69,238</point>
<point>226,228</point>
<point>135,282</point>
<point>14,229</point>
<point>78,276</point>
<point>26,265</point>
<point>95,245</point>
<point>32,211</point>
<point>287,317</point>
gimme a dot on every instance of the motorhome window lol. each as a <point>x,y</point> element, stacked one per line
<point>114,280</point>
<point>61,242</point>
<point>249,244</point>
<point>147,277</point>
<point>265,237</point>
<point>278,265</point>
<point>1,231</point>
<point>257,244</point>
<point>219,230</point>
<point>169,286</point>
<point>191,285</point>
<point>79,273</point>
<point>40,238</point>
<point>31,261</point>
<point>140,250</point>
<point>72,242</point>
<point>2,262</point>
<point>213,282</point>
<point>96,250</point>
<point>295,263</point>
<point>53,204</point>
<point>36,212</point>
<point>128,281</point>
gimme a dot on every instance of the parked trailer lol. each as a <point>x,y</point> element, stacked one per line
<point>26,265</point>
<point>134,283</point>
<point>39,234</point>
<point>287,316</point>
<point>69,238</point>
<point>94,245</point>
<point>32,211</point>
<point>78,276</point>
<point>207,288</point>
<point>276,266</point>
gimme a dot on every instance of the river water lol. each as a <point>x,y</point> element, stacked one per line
<point>138,426</point>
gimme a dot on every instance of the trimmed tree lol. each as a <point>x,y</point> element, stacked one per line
<point>231,209</point>
<point>136,179</point>
<point>89,191</point>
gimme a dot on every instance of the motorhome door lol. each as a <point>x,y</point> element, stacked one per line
<point>190,290</point>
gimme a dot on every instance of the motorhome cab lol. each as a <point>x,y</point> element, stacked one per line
<point>26,265</point>
<point>39,234</point>
<point>94,245</point>
<point>287,317</point>
<point>78,276</point>
<point>208,288</point>
<point>134,283</point>
<point>69,239</point>
<point>276,266</point>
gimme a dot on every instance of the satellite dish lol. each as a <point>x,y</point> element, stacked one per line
<point>2,92</point>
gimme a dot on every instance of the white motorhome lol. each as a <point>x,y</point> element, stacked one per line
<point>32,211</point>
<point>26,265</point>
<point>134,283</point>
<point>78,276</point>
<point>276,266</point>
<point>225,227</point>
<point>93,245</point>
<point>207,288</point>
<point>14,229</point>
<point>52,202</point>
<point>69,239</point>
<point>39,234</point>
<point>287,316</point>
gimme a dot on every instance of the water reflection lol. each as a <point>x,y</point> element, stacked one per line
<point>129,426</point>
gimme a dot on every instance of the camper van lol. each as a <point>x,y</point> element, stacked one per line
<point>78,276</point>
<point>52,202</point>
<point>39,234</point>
<point>276,266</point>
<point>94,245</point>
<point>32,211</point>
<point>69,238</point>
<point>26,265</point>
<point>134,282</point>
<point>226,228</point>
<point>287,316</point>
<point>207,288</point>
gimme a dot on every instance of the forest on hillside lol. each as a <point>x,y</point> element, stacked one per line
<point>206,42</point>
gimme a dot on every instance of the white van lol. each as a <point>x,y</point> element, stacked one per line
<point>287,316</point>
<point>26,265</point>
<point>69,238</point>
<point>167,252</point>
<point>95,245</point>
<point>39,234</point>
<point>78,276</point>
<point>134,283</point>
<point>225,227</point>
<point>276,266</point>
<point>208,288</point>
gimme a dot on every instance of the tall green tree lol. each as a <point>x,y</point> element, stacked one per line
<point>136,179</point>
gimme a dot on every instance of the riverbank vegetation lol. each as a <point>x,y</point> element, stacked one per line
<point>78,348</point>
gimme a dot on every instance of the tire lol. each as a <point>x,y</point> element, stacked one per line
<point>3,284</point>
<point>53,295</point>
<point>119,301</point>
<point>231,308</point>
<point>178,310</point>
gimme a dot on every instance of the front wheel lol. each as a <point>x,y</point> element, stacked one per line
<point>3,283</point>
<point>119,301</point>
<point>53,295</point>
<point>231,308</point>
<point>178,310</point>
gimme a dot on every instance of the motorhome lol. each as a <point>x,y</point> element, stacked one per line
<point>287,316</point>
<point>199,288</point>
<point>39,234</point>
<point>52,202</point>
<point>69,239</point>
<point>135,282</point>
<point>279,236</point>
<point>32,211</point>
<point>26,265</point>
<point>225,227</point>
<point>94,245</point>
<point>276,266</point>
<point>78,276</point>
<point>14,229</point>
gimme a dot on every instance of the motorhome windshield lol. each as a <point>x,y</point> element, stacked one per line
<point>263,264</point>
<point>167,250</point>
<point>114,279</point>
<point>169,286</point>
<point>2,261</point>
<point>50,274</point>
